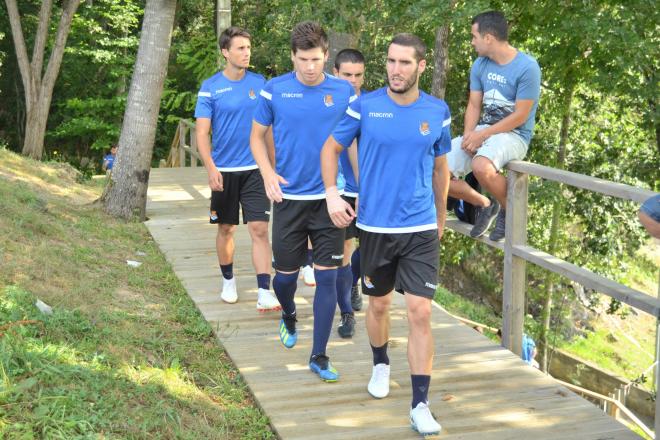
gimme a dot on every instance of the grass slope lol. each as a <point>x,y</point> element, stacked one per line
<point>125,353</point>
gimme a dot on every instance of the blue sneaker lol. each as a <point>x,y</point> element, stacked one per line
<point>288,334</point>
<point>320,364</point>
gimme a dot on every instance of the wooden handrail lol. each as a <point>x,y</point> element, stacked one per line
<point>614,402</point>
<point>619,190</point>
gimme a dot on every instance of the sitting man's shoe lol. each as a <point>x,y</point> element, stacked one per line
<point>346,327</point>
<point>484,218</point>
<point>320,364</point>
<point>288,334</point>
<point>266,301</point>
<point>422,421</point>
<point>229,294</point>
<point>356,298</point>
<point>498,232</point>
<point>379,385</point>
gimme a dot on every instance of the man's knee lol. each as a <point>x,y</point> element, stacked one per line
<point>379,306</point>
<point>226,231</point>
<point>483,168</point>
<point>258,230</point>
<point>419,312</point>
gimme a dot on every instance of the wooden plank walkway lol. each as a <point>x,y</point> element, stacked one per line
<point>479,390</point>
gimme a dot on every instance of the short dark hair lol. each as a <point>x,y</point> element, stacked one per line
<point>308,35</point>
<point>494,23</point>
<point>410,40</point>
<point>348,56</point>
<point>224,41</point>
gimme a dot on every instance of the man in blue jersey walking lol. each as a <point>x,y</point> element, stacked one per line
<point>504,91</point>
<point>349,65</point>
<point>404,137</point>
<point>302,107</point>
<point>226,102</point>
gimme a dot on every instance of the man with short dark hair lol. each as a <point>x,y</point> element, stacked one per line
<point>504,91</point>
<point>349,65</point>
<point>404,136</point>
<point>302,107</point>
<point>226,102</point>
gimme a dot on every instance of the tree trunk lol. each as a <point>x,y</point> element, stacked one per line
<point>440,62</point>
<point>39,90</point>
<point>222,22</point>
<point>126,194</point>
<point>337,41</point>
<point>555,226</point>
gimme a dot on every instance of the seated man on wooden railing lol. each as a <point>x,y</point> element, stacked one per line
<point>506,84</point>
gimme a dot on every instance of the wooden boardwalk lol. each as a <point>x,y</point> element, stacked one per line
<point>479,390</point>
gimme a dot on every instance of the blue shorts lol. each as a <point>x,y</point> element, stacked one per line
<point>652,207</point>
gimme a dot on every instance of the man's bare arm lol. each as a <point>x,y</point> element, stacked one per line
<point>440,190</point>
<point>258,145</point>
<point>202,132</point>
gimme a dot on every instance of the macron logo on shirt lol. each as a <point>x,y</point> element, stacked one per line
<point>292,95</point>
<point>226,89</point>
<point>381,115</point>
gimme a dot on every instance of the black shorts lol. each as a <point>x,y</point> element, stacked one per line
<point>406,262</point>
<point>244,188</point>
<point>296,220</point>
<point>351,230</point>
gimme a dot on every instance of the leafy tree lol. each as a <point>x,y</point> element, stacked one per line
<point>38,84</point>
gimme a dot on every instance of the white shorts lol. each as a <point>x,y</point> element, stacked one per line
<point>500,148</point>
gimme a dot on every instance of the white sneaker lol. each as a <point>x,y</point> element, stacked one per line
<point>266,301</point>
<point>308,275</point>
<point>379,385</point>
<point>229,294</point>
<point>422,421</point>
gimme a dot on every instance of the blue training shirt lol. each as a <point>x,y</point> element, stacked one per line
<point>302,118</point>
<point>502,85</point>
<point>396,156</point>
<point>230,106</point>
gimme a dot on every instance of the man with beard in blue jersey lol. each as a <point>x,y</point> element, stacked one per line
<point>226,102</point>
<point>302,107</point>
<point>403,182</point>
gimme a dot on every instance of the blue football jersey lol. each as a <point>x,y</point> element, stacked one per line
<point>396,155</point>
<point>230,106</point>
<point>302,118</point>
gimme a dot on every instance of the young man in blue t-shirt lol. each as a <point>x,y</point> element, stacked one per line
<point>109,159</point>
<point>349,65</point>
<point>302,107</point>
<point>504,91</point>
<point>226,102</point>
<point>403,139</point>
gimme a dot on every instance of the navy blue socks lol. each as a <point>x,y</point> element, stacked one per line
<point>355,266</point>
<point>420,388</point>
<point>325,302</point>
<point>344,279</point>
<point>285,285</point>
<point>227,271</point>
<point>380,354</point>
<point>263,281</point>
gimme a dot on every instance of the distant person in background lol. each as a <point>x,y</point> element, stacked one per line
<point>529,351</point>
<point>109,159</point>
<point>649,215</point>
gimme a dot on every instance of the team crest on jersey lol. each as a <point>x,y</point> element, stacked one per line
<point>424,128</point>
<point>251,94</point>
<point>328,101</point>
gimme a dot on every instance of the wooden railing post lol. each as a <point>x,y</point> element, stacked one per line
<point>513,301</point>
<point>193,147</point>
<point>182,143</point>
<point>657,373</point>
